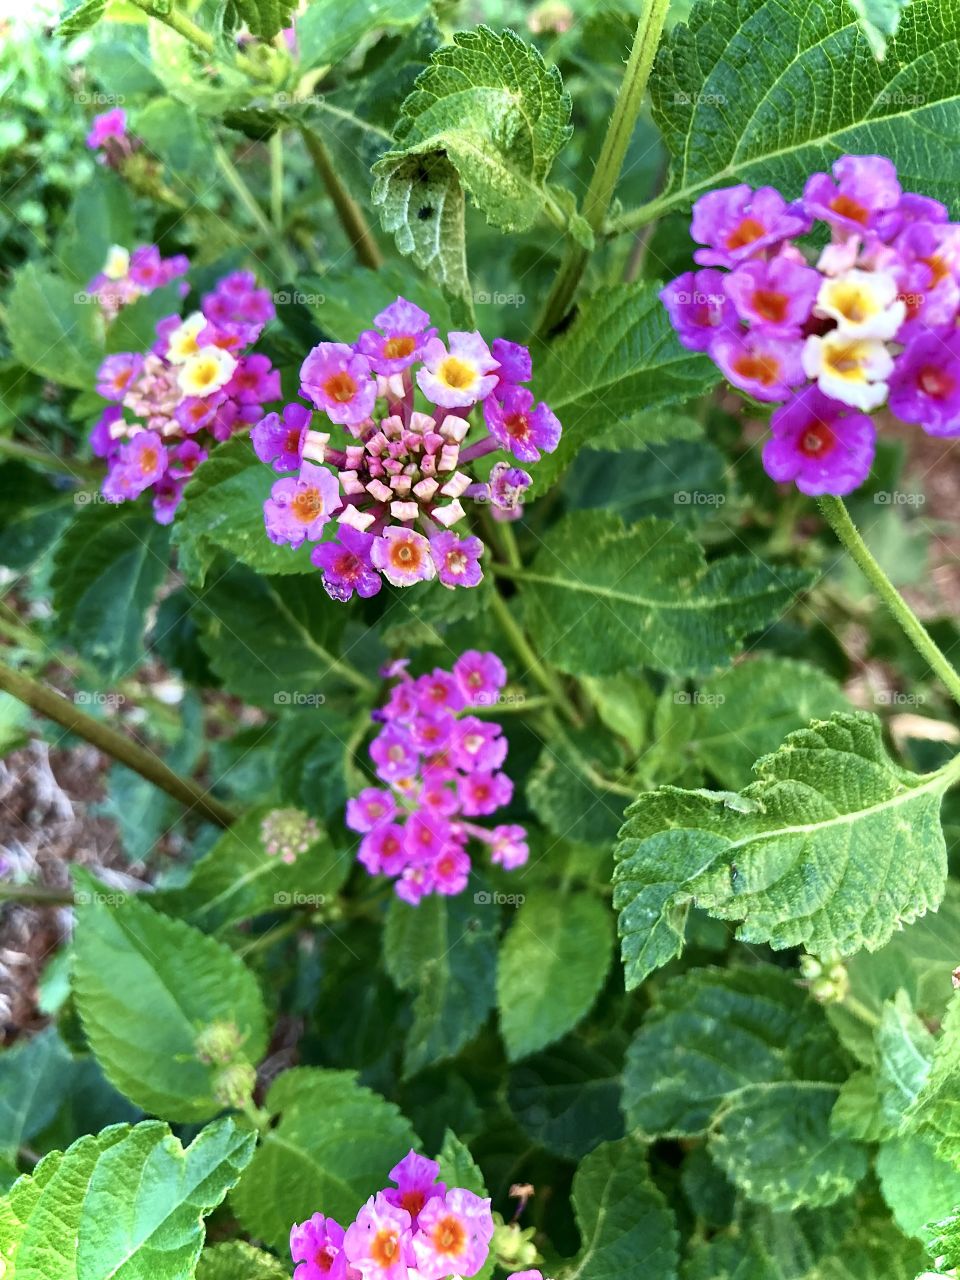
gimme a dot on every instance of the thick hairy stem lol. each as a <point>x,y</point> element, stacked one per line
<point>609,163</point>
<point>47,702</point>
<point>835,511</point>
<point>348,211</point>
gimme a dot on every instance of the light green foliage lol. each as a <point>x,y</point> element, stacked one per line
<point>330,30</point>
<point>145,986</point>
<point>52,333</point>
<point>551,967</point>
<point>601,596</point>
<point>237,1260</point>
<point>935,1113</point>
<point>832,847</point>
<point>128,1203</point>
<point>335,1143</point>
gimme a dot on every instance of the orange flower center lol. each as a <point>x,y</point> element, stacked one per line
<point>148,460</point>
<point>847,207</point>
<point>307,505</point>
<point>340,387</point>
<point>404,555</point>
<point>935,382</point>
<point>518,428</point>
<point>449,1236</point>
<point>771,305</point>
<point>397,348</point>
<point>384,1247</point>
<point>762,369</point>
<point>746,231</point>
<point>817,438</point>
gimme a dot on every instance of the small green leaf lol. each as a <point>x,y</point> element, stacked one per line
<point>80,16</point>
<point>52,333</point>
<point>32,514</point>
<point>33,1077</point>
<point>935,1114</point>
<point>568,1097</point>
<point>624,1220</point>
<point>443,951</point>
<point>601,597</point>
<point>832,848</point>
<point>333,1147</point>
<point>551,967</point>
<point>328,30</point>
<point>145,985</point>
<point>918,1186</point>
<point>620,360</point>
<point>237,1260</point>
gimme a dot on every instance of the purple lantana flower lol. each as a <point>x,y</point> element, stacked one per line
<point>862,196</point>
<point>514,361</point>
<point>404,330</point>
<point>116,374</point>
<point>777,293</point>
<point>297,509</point>
<point>737,223</point>
<point>453,1235</point>
<point>346,565</point>
<point>819,445</point>
<point>480,676</point>
<point>925,384</point>
<point>339,381</point>
<point>520,426</point>
<point>457,559</point>
<point>317,1246</point>
<point>378,1243</point>
<point>699,307</point>
<point>403,556</point>
<point>278,439</point>
<point>764,364</point>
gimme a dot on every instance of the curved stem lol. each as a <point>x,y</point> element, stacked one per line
<point>248,200</point>
<point>610,161</point>
<point>36,895</point>
<point>47,702</point>
<point>550,684</point>
<point>348,211</point>
<point>835,512</point>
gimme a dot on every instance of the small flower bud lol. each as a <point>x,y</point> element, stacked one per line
<point>219,1043</point>
<point>234,1085</point>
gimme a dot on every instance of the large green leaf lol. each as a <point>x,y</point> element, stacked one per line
<point>33,1077</point>
<point>54,331</point>
<point>601,597</point>
<point>237,1260</point>
<point>551,967</point>
<point>238,879</point>
<point>624,1221</point>
<point>333,1147</point>
<point>223,510</point>
<point>568,1098</point>
<point>919,1187</point>
<point>32,513</point>
<point>330,29</point>
<point>107,568</point>
<point>620,359</point>
<point>443,951</point>
<point>492,107</point>
<point>128,1203</point>
<point>936,1111</point>
<point>832,848</point>
<point>145,986</point>
<point>760,92</point>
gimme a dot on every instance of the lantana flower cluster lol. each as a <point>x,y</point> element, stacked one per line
<point>419,1229</point>
<point>441,766</point>
<point>194,387</point>
<point>830,335</point>
<point>127,276</point>
<point>392,486</point>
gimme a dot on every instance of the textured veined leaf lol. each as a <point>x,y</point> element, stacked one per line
<point>832,848</point>
<point>329,30</point>
<point>80,16</point>
<point>766,93</point>
<point>145,986</point>
<point>107,567</point>
<point>51,332</point>
<point>237,1260</point>
<point>935,1113</point>
<point>568,1097</point>
<point>919,1187</point>
<point>444,952</point>
<point>333,1146</point>
<point>33,1076</point>
<point>944,1239</point>
<point>626,1227</point>
<point>66,1220</point>
<point>551,967</point>
<point>491,105</point>
<point>904,1052</point>
<point>620,360</point>
<point>265,18</point>
<point>601,597</point>
<point>880,20</point>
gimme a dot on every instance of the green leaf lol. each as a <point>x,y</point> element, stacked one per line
<point>330,29</point>
<point>333,1147</point>
<point>918,1186</point>
<point>67,1221</point>
<point>459,1169</point>
<point>266,18</point>
<point>946,1243</point>
<point>80,16</point>
<point>443,951</point>
<point>492,107</point>
<point>52,334</point>
<point>271,640</point>
<point>223,510</point>
<point>237,1260</point>
<point>145,985</point>
<point>619,360</point>
<point>107,568</point>
<point>904,1053</point>
<point>833,847</point>
<point>551,967</point>
<point>623,1219</point>
<point>238,879</point>
<point>601,597</point>
<point>421,202</point>
<point>754,91</point>
<point>745,712</point>
<point>567,1099</point>
<point>880,20</point>
<point>935,1114</point>
<point>33,1077</point>
<point>679,1071</point>
<point>566,788</point>
<point>32,514</point>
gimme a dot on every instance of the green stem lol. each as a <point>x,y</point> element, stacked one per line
<point>40,895</point>
<point>609,163</point>
<point>550,684</point>
<point>276,181</point>
<point>46,458</point>
<point>47,702</point>
<point>645,214</point>
<point>835,512</point>
<point>178,20</point>
<point>348,211</point>
<point>860,1011</point>
<point>246,197</point>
